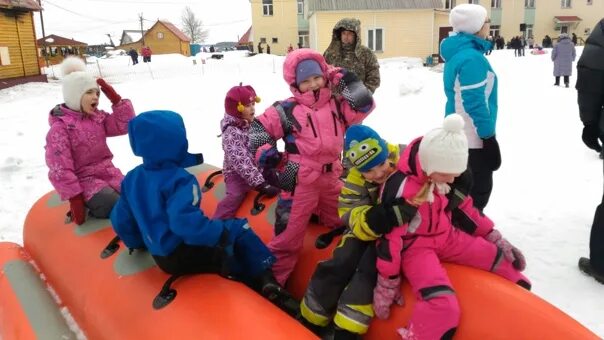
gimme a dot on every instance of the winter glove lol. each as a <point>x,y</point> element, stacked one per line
<point>77,209</point>
<point>268,190</point>
<point>268,157</point>
<point>590,136</point>
<point>381,218</point>
<point>386,292</point>
<point>109,91</point>
<point>510,252</point>
<point>355,92</point>
<point>492,154</point>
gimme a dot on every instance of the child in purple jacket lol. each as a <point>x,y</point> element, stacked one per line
<point>77,155</point>
<point>240,173</point>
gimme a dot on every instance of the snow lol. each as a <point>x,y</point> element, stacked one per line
<point>544,194</point>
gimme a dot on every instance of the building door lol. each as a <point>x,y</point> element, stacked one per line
<point>564,29</point>
<point>443,32</point>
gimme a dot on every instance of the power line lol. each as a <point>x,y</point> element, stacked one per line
<point>80,14</point>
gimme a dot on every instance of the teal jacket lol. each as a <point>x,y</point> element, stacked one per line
<point>470,85</point>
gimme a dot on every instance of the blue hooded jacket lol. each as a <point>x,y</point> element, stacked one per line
<point>470,85</point>
<point>159,207</point>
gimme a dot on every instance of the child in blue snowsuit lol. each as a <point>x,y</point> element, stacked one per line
<point>159,210</point>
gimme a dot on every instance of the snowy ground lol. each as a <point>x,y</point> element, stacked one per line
<point>545,193</point>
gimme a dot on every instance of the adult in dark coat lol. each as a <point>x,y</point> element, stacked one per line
<point>134,55</point>
<point>590,90</point>
<point>563,56</point>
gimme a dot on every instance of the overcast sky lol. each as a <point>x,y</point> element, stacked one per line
<point>89,21</point>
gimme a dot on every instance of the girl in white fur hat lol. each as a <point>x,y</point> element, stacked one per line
<point>432,176</point>
<point>77,155</point>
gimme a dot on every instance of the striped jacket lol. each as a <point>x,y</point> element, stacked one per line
<point>470,85</point>
<point>358,195</point>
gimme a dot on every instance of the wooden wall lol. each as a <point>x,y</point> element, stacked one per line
<point>18,35</point>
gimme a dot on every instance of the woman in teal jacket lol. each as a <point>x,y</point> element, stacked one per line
<point>471,89</point>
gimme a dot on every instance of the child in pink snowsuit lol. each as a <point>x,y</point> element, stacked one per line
<point>240,172</point>
<point>77,155</point>
<point>432,175</point>
<point>312,125</point>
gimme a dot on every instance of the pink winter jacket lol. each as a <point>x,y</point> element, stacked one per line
<point>431,221</point>
<point>320,140</point>
<point>77,155</point>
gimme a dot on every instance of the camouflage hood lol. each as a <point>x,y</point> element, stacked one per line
<point>346,24</point>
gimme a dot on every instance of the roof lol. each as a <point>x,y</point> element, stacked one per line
<point>32,5</point>
<point>178,33</point>
<point>566,18</point>
<point>247,37</point>
<point>344,5</point>
<point>59,41</point>
<point>130,36</point>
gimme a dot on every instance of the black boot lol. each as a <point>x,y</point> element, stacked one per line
<point>342,334</point>
<point>272,291</point>
<point>585,267</point>
<point>319,331</point>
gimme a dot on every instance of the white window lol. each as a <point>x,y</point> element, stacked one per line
<point>375,39</point>
<point>160,35</point>
<point>529,3</point>
<point>528,32</point>
<point>300,7</point>
<point>4,56</point>
<point>475,2</point>
<point>565,3</point>
<point>303,40</point>
<point>494,30</point>
<point>449,4</point>
<point>495,3</point>
<point>267,7</point>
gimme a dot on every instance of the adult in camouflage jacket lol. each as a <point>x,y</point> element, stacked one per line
<point>348,53</point>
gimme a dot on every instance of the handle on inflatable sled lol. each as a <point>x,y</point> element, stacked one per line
<point>258,207</point>
<point>208,184</point>
<point>325,239</point>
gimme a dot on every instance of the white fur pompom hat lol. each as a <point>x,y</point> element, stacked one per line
<point>445,149</point>
<point>76,81</point>
<point>467,18</point>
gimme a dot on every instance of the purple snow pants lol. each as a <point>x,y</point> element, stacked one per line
<point>236,189</point>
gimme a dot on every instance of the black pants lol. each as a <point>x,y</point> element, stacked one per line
<point>188,259</point>
<point>566,80</point>
<point>102,202</point>
<point>483,178</point>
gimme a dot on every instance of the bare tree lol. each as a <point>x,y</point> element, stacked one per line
<point>193,27</point>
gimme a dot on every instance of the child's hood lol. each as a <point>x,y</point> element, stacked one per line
<point>409,163</point>
<point>63,113</point>
<point>160,138</point>
<point>294,58</point>
<point>230,120</point>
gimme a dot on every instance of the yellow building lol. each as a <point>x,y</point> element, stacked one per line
<point>18,52</point>
<point>162,38</point>
<point>412,28</point>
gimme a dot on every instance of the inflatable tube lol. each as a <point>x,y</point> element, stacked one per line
<point>27,309</point>
<point>111,298</point>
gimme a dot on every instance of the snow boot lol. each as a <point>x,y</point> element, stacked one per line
<point>585,267</point>
<point>317,330</point>
<point>271,290</point>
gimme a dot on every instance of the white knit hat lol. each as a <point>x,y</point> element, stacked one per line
<point>445,149</point>
<point>76,81</point>
<point>467,18</point>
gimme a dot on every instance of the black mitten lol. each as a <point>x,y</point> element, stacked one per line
<point>354,91</point>
<point>590,137</point>
<point>492,155</point>
<point>381,218</point>
<point>268,190</point>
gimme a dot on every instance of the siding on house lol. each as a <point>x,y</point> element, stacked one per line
<point>282,25</point>
<point>18,35</point>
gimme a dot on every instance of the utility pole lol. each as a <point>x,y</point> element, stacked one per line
<point>140,18</point>
<point>43,34</point>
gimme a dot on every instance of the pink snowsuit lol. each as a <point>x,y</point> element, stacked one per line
<point>77,155</point>
<point>314,169</point>
<point>419,247</point>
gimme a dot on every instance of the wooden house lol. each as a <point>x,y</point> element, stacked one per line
<point>57,48</point>
<point>18,54</point>
<point>163,38</point>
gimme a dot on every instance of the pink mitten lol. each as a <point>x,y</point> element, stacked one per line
<point>510,252</point>
<point>386,292</point>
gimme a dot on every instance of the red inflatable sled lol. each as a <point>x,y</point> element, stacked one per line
<point>112,296</point>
